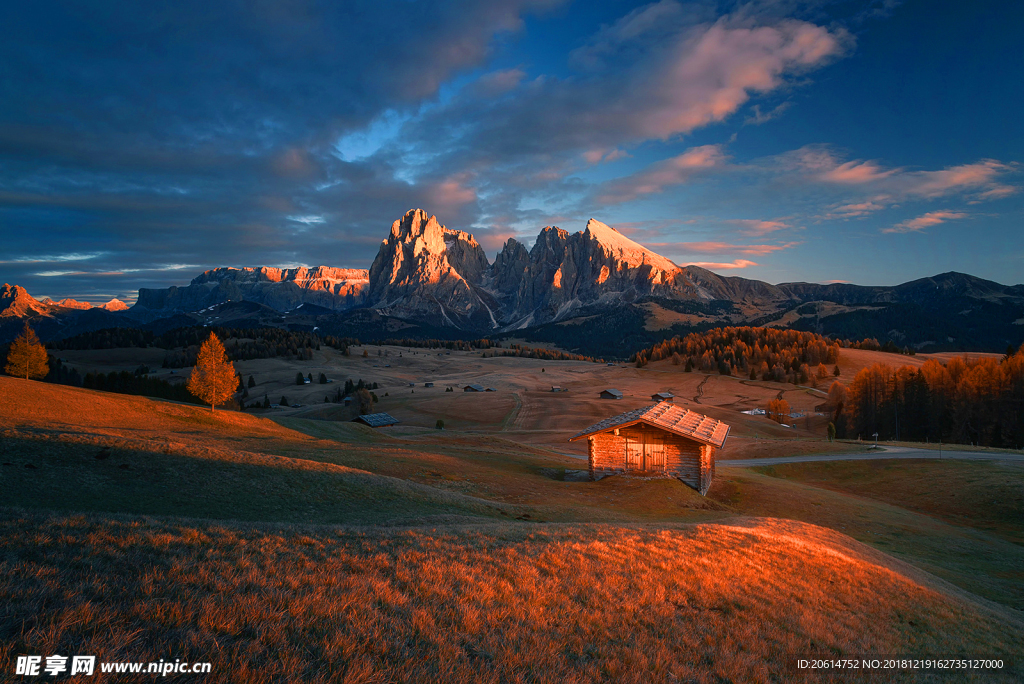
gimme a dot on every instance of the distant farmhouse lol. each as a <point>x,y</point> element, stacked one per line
<point>660,440</point>
<point>556,388</point>
<point>473,388</point>
<point>428,384</point>
<point>663,396</point>
<point>611,394</point>
<point>376,420</point>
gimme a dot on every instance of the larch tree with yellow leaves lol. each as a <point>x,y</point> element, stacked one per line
<point>27,356</point>
<point>213,379</point>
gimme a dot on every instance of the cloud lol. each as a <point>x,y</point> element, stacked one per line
<point>498,83</point>
<point>854,209</point>
<point>980,175</point>
<point>758,117</point>
<point>713,247</point>
<point>821,164</point>
<point>53,258</point>
<point>932,218</point>
<point>719,266</point>
<point>757,227</point>
<point>663,174</point>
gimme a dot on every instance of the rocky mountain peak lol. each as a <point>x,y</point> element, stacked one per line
<point>424,267</point>
<point>15,301</point>
<point>624,250</point>
<point>69,303</point>
<point>114,304</point>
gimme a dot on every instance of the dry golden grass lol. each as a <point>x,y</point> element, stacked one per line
<point>460,597</point>
<point>986,495</point>
<point>980,561</point>
<point>498,603</point>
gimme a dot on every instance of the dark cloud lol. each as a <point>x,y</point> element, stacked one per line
<point>188,132</point>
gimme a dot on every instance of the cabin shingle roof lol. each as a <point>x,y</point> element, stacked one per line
<point>376,419</point>
<point>675,419</point>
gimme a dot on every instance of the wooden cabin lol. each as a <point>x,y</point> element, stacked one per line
<point>473,388</point>
<point>662,396</point>
<point>659,440</point>
<point>611,394</point>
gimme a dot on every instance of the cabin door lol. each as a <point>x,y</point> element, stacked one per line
<point>634,453</point>
<point>654,453</point>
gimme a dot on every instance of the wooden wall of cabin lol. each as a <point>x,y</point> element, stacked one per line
<point>685,459</point>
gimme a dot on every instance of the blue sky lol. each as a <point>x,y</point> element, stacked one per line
<point>871,142</point>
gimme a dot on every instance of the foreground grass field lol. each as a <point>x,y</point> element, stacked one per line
<point>316,551</point>
<point>483,603</point>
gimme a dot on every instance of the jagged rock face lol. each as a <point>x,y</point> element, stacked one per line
<point>73,304</point>
<point>115,305</point>
<point>282,289</point>
<point>565,272</point>
<point>426,270</point>
<point>16,302</point>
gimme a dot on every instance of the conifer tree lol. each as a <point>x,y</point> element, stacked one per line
<point>213,378</point>
<point>27,357</point>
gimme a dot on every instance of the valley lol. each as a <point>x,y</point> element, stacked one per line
<point>298,511</point>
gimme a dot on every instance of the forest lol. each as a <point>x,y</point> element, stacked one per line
<point>138,383</point>
<point>968,400</point>
<point>759,353</point>
<point>545,354</point>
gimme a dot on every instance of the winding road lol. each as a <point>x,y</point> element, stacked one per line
<point>880,453</point>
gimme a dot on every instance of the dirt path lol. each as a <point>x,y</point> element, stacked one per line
<point>881,453</point>
<point>700,390</point>
<point>510,419</point>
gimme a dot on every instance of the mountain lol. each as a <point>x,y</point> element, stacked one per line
<point>595,291</point>
<point>424,270</point>
<point>283,289</point>
<point>16,302</point>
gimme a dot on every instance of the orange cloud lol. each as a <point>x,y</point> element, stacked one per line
<point>963,177</point>
<point>657,177</point>
<point>932,218</point>
<point>717,266</point>
<point>758,227</point>
<point>726,247</point>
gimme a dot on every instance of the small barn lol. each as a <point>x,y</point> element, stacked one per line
<point>376,420</point>
<point>428,384</point>
<point>662,396</point>
<point>611,394</point>
<point>660,440</point>
<point>556,388</point>
<point>473,388</point>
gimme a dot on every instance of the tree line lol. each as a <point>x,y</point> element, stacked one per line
<point>964,401</point>
<point>760,353</point>
<point>545,354</point>
<point>241,344</point>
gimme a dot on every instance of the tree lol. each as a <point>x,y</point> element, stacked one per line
<point>266,401</point>
<point>835,371</point>
<point>299,380</point>
<point>831,432</point>
<point>777,410</point>
<point>252,381</point>
<point>439,425</point>
<point>676,359</point>
<point>323,379</point>
<point>213,378</point>
<point>27,357</point>
<point>365,401</point>
<point>284,401</point>
<point>310,378</point>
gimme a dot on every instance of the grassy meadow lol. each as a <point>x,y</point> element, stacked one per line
<point>302,549</point>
